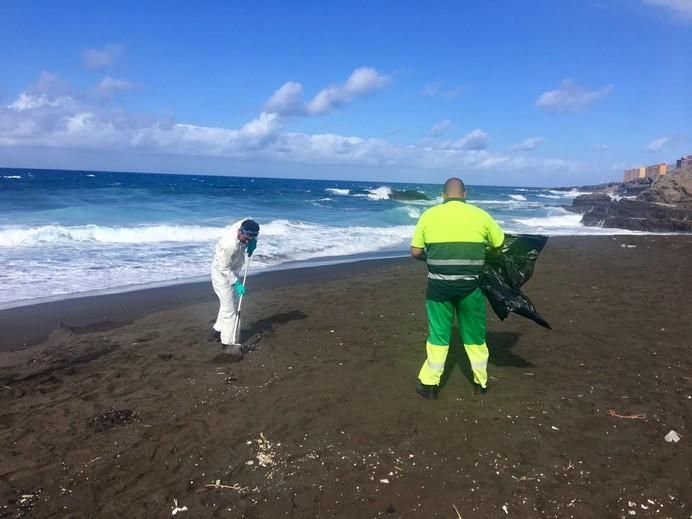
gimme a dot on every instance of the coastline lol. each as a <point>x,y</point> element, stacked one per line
<point>29,324</point>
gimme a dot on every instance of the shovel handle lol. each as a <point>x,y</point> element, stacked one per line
<point>240,304</point>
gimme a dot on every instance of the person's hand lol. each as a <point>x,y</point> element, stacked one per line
<point>251,246</point>
<point>239,288</point>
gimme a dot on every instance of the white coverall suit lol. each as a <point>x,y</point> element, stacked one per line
<point>229,259</point>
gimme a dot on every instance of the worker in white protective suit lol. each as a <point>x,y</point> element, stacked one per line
<point>229,258</point>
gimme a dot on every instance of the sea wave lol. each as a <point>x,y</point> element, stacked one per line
<point>109,258</point>
<point>321,237</point>
<point>336,191</point>
<point>44,234</point>
<point>568,194</point>
<point>560,225</point>
<point>379,193</point>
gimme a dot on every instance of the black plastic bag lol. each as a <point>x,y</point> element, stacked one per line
<point>505,273</point>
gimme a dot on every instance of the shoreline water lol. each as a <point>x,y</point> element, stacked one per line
<point>66,233</point>
<point>290,265</point>
<point>28,324</point>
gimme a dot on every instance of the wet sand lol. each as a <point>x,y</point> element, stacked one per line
<point>126,414</point>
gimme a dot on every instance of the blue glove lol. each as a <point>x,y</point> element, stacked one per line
<point>251,246</point>
<point>239,288</point>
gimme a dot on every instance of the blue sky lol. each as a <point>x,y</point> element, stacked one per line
<point>538,92</point>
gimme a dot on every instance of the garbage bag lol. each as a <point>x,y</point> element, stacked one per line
<point>505,273</point>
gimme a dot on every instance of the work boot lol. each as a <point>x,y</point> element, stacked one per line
<point>213,335</point>
<point>233,349</point>
<point>426,390</point>
<point>479,390</point>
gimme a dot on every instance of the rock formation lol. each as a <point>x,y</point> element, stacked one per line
<point>666,206</point>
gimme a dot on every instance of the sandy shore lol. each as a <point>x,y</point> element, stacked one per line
<point>126,414</point>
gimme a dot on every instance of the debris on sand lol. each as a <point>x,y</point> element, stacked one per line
<point>108,419</point>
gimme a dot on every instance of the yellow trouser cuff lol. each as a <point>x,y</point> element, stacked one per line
<point>478,357</point>
<point>434,364</point>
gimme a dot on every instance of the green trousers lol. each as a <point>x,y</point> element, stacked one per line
<point>470,312</point>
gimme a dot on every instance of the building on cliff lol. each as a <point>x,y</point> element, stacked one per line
<point>649,172</point>
<point>684,162</point>
<point>634,174</point>
<point>656,170</point>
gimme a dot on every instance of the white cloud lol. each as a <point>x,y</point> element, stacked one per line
<point>680,8</point>
<point>362,81</point>
<point>102,58</point>
<point>570,97</point>
<point>436,89</point>
<point>109,86</point>
<point>48,83</point>
<point>260,131</point>
<point>64,122</point>
<point>474,140</point>
<point>440,128</point>
<point>287,100</point>
<point>26,101</point>
<point>657,144</point>
<point>529,144</point>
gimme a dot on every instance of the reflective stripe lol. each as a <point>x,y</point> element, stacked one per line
<point>451,277</point>
<point>479,365</point>
<point>441,262</point>
<point>433,365</point>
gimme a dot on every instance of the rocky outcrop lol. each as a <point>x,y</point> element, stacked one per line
<point>666,206</point>
<point>637,215</point>
<point>675,188</point>
<point>408,194</point>
<point>584,203</point>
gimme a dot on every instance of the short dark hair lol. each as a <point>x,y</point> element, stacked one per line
<point>454,186</point>
<point>250,228</point>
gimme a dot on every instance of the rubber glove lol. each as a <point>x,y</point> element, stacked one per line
<point>239,288</point>
<point>251,246</point>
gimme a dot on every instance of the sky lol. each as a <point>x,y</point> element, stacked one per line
<point>532,93</point>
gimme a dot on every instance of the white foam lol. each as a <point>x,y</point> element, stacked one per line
<point>103,258</point>
<point>14,237</point>
<point>512,204</point>
<point>413,212</point>
<point>380,193</point>
<point>12,176</point>
<point>568,194</point>
<point>517,197</point>
<point>561,225</point>
<point>551,222</point>
<point>340,192</point>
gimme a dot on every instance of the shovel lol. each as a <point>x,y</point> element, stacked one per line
<point>236,332</point>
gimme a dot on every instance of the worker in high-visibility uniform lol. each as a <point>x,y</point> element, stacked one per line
<point>452,239</point>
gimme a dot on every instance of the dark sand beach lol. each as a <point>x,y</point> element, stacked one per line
<point>130,410</point>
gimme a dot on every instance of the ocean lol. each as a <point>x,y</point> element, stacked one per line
<point>68,233</point>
